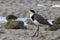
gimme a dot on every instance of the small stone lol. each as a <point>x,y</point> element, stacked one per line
<point>15,25</point>
<point>54,27</point>
<point>29,22</point>
<point>11,17</point>
<point>56,20</point>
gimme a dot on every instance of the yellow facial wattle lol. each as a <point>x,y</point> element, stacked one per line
<point>29,12</point>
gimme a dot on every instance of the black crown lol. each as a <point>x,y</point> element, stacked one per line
<point>32,11</point>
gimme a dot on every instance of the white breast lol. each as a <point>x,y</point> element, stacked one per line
<point>36,22</point>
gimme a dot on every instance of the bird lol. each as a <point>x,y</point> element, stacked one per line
<point>37,20</point>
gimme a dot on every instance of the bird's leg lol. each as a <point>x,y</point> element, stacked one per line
<point>36,33</point>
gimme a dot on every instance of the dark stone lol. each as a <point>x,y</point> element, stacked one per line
<point>15,25</point>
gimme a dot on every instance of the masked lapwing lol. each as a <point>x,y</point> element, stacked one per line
<point>38,19</point>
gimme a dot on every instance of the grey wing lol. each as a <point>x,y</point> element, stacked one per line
<point>41,19</point>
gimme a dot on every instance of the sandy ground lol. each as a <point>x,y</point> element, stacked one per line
<point>25,34</point>
<point>19,8</point>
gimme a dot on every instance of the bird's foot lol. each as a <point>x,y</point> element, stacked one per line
<point>35,35</point>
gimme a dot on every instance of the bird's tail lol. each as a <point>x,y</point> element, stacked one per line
<point>49,22</point>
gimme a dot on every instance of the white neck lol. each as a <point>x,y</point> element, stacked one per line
<point>31,14</point>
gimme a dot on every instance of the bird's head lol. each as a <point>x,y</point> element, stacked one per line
<point>31,11</point>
